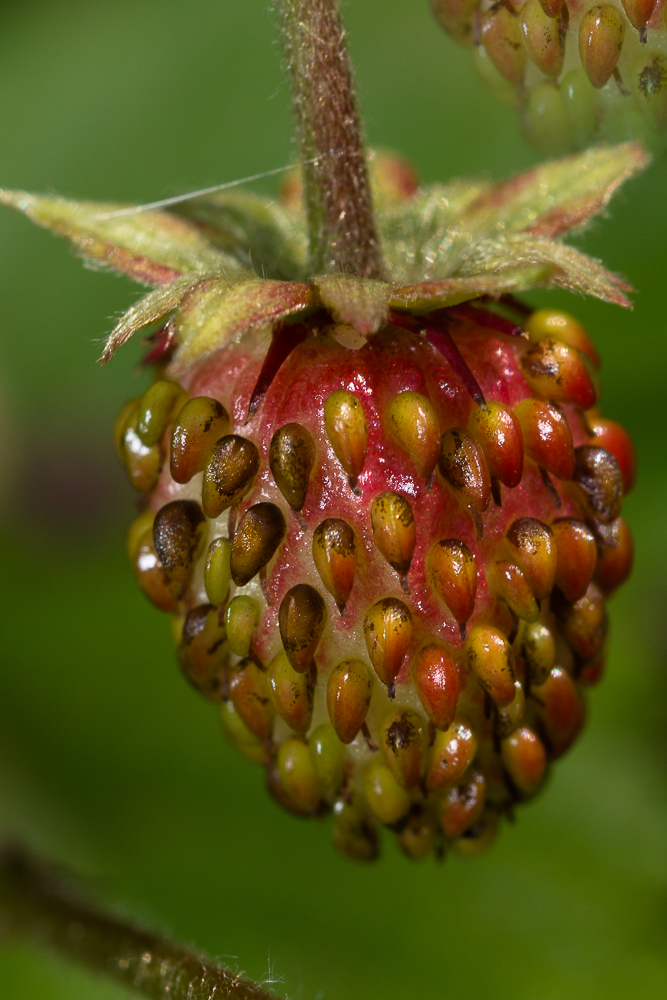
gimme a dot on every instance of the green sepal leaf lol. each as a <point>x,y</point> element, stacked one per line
<point>559,196</point>
<point>216,313</point>
<point>548,201</point>
<point>152,308</point>
<point>426,296</point>
<point>362,303</point>
<point>564,266</point>
<point>152,247</point>
<point>513,265</point>
<point>417,232</point>
<point>261,234</point>
<point>446,245</point>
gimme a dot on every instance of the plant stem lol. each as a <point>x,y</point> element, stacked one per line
<point>41,903</point>
<point>337,195</point>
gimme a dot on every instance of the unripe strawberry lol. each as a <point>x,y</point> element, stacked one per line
<point>388,598</point>
<point>577,73</point>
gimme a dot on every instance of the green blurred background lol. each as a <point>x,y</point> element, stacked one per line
<point>108,761</point>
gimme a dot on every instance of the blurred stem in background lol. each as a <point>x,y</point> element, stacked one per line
<point>42,903</point>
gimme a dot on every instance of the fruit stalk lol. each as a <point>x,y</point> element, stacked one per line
<point>39,902</point>
<point>337,196</point>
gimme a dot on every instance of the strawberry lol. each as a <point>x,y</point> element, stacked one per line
<point>576,72</point>
<point>377,496</point>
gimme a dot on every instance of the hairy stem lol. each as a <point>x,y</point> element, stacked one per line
<point>38,902</point>
<point>337,195</point>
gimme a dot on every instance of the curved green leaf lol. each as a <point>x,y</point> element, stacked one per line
<point>151,247</point>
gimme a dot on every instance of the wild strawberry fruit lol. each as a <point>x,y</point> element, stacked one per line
<point>377,497</point>
<point>576,72</point>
